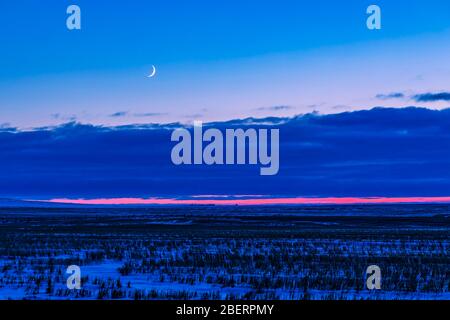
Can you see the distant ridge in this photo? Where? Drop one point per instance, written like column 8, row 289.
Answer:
column 17, row 203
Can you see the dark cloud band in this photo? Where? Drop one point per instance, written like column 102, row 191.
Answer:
column 378, row 152
column 432, row 97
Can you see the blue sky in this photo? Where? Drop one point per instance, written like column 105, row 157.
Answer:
column 215, row 60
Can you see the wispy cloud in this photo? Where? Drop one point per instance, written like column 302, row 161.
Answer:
column 432, row 97
column 59, row 116
column 340, row 107
column 275, row 108
column 149, row 114
column 119, row 114
column 193, row 116
column 392, row 95
column 421, row 97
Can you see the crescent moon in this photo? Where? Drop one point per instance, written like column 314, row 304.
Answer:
column 152, row 74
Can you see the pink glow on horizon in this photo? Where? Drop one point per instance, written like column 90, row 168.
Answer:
column 259, row 201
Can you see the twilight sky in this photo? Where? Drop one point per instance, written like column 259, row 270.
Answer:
column 216, row 60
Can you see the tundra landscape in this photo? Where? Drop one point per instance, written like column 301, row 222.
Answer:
column 226, row 253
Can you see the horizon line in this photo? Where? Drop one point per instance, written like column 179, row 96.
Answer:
column 252, row 201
